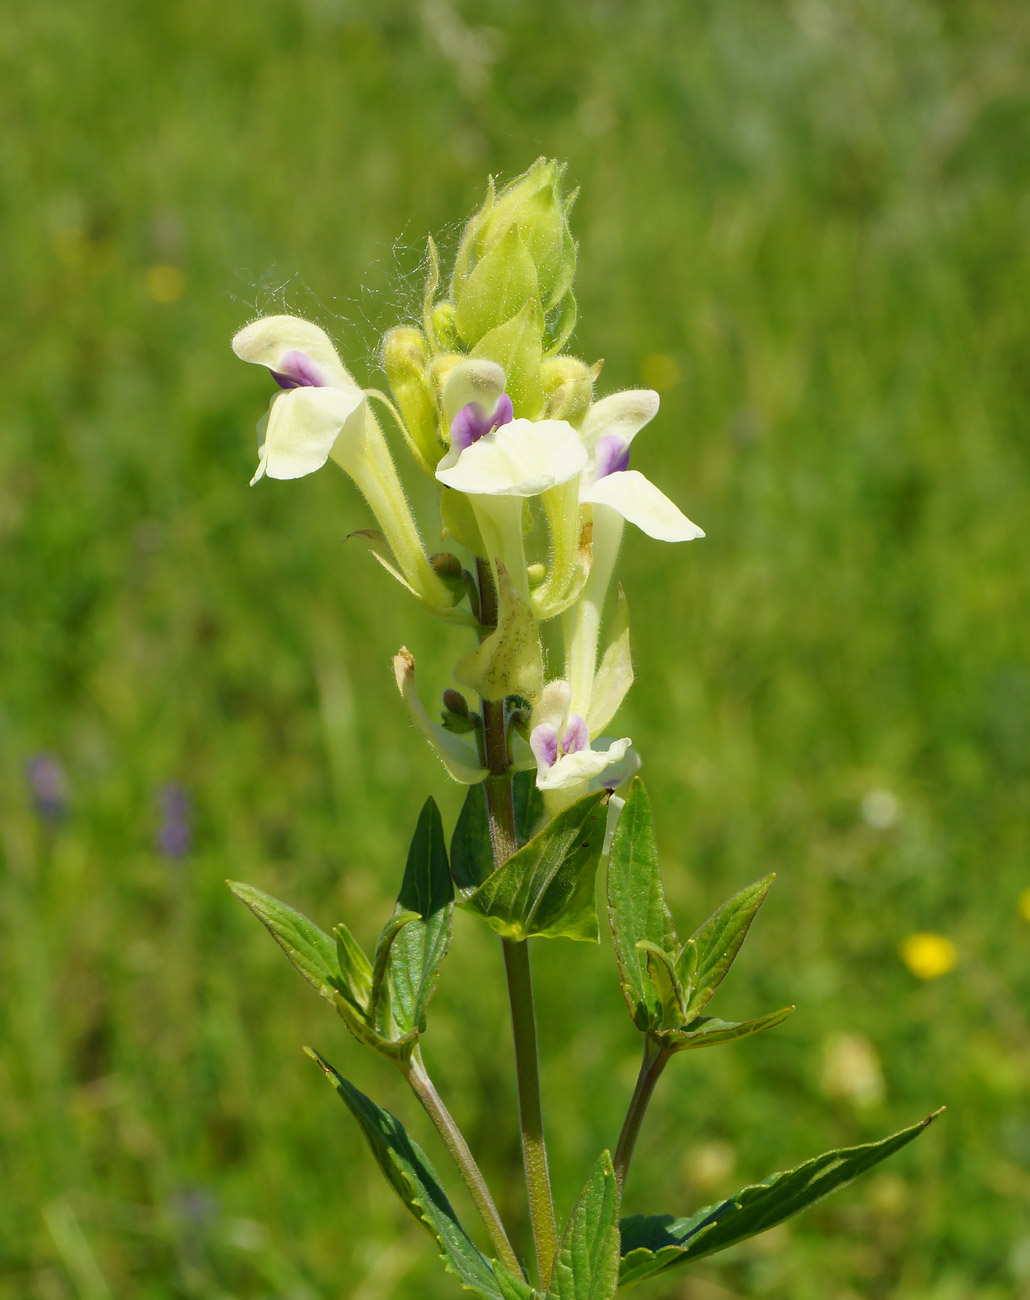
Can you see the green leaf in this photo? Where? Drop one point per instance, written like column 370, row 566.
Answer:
column 661, row 971
column 409, row 1173
column 354, row 968
column 709, row 952
column 637, row 910
column 587, row 1264
column 529, row 805
column 512, row 1287
column 706, row 1031
column 471, row 853
column 654, row 1244
column 427, row 895
column 310, row 950
column 547, row 887
column 472, row 859
column 380, row 1000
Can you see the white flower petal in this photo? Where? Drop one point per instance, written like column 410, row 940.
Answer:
column 303, row 424
column 582, row 766
column 266, row 341
column 522, row 458
column 622, row 414
column 553, row 706
column 639, row 502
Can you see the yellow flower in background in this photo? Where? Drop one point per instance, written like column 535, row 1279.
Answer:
column 928, row 956
column 165, row 283
column 1024, row 904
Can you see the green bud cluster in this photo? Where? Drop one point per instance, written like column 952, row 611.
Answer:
column 510, row 301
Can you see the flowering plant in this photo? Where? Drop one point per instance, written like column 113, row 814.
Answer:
column 534, row 491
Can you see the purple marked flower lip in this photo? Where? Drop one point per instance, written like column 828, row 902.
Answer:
column 48, row 786
column 297, row 370
column 548, row 746
column 472, row 422
column 612, row 455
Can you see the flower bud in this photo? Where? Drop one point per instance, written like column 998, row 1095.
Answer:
column 502, row 280
column 444, row 327
column 405, row 360
column 448, row 568
column 455, row 702
column 534, row 205
column 568, row 389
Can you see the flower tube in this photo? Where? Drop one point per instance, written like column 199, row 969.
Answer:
column 614, row 494
column 321, row 414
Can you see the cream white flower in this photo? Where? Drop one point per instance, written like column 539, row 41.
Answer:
column 322, row 413
column 567, row 762
column 498, row 462
column 614, row 494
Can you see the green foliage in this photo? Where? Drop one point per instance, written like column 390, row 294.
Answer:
column 654, row 1244
column 412, row 1177
column 587, row 1264
column 310, row 951
column 471, row 853
column 547, row 887
column 637, row 909
column 427, row 898
column 665, row 986
column 708, row 954
column 382, row 1001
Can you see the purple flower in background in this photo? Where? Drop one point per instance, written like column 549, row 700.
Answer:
column 48, row 786
column 175, row 833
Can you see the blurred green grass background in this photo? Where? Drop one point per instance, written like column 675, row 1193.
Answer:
column 807, row 224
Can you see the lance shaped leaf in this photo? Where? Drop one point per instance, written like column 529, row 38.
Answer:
column 310, row 950
column 510, row 661
column 637, row 909
column 661, row 971
column 706, row 1031
column 512, row 1287
column 408, row 1171
column 654, row 1244
column 472, row 858
column 547, row 887
column 587, row 1264
column 380, row 1001
column 355, row 969
column 708, row 954
column 427, row 897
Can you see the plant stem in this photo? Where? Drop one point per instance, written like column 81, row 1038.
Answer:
column 415, row 1072
column 504, row 842
column 655, row 1060
column 534, row 1150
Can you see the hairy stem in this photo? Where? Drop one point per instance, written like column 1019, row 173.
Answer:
column 504, row 842
column 655, row 1060
column 415, row 1072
